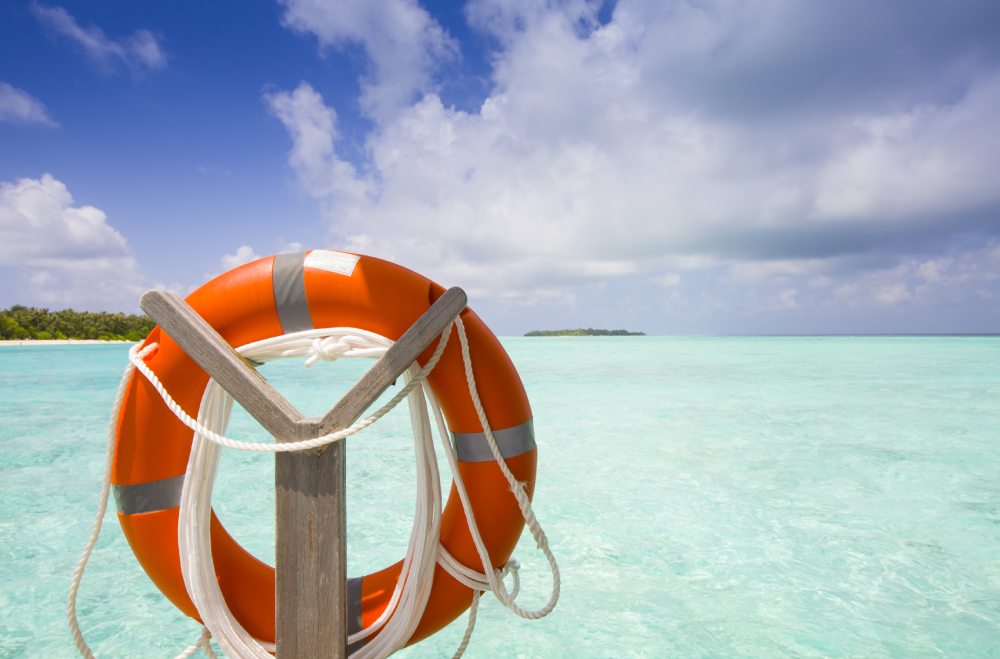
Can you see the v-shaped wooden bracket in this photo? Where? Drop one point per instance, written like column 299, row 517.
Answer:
column 265, row 403
column 310, row 556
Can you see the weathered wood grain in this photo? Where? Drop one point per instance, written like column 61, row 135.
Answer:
column 310, row 551
column 396, row 360
column 213, row 354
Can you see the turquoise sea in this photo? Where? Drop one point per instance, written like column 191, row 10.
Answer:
column 705, row 496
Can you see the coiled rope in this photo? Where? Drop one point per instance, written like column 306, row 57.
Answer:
column 405, row 608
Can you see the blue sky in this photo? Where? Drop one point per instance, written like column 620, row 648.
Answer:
column 670, row 166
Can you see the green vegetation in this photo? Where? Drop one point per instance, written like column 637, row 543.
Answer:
column 584, row 332
column 20, row 322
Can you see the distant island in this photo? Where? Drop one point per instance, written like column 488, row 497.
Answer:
column 21, row 323
column 584, row 332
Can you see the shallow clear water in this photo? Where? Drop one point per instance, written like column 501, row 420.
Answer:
column 705, row 497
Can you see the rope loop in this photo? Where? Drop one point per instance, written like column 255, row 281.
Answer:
column 331, row 348
column 399, row 619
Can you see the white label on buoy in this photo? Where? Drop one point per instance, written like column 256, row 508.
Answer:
column 340, row 262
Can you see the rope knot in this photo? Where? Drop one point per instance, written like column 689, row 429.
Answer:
column 518, row 485
column 512, row 567
column 329, row 349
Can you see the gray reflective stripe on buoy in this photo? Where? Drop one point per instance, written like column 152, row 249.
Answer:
column 354, row 611
column 149, row 497
column 288, row 279
column 472, row 446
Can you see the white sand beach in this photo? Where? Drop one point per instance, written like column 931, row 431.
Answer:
column 56, row 342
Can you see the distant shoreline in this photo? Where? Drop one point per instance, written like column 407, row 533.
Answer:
column 589, row 331
column 58, row 342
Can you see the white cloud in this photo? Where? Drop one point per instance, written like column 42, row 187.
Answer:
column 19, row 107
column 929, row 161
column 776, row 270
column 934, row 270
column 959, row 276
column 243, row 254
column 63, row 254
column 655, row 140
column 403, row 43
column 141, row 52
column 38, row 222
column 176, row 287
column 892, row 294
column 313, row 126
column 668, row 280
column 786, row 299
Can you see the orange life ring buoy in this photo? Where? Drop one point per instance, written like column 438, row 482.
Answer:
column 290, row 292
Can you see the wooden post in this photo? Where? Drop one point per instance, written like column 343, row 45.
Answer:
column 311, row 499
column 310, row 551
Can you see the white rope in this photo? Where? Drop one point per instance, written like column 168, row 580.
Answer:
column 203, row 643
column 287, row 351
column 470, row 626
column 397, row 622
column 95, row 531
column 517, row 488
